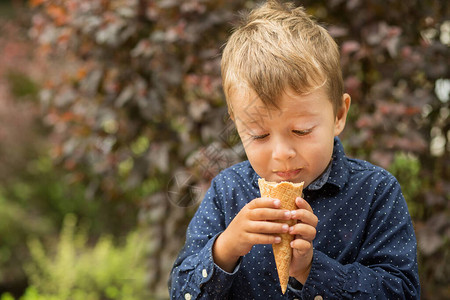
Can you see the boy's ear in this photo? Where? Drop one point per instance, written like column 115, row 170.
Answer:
column 341, row 115
column 230, row 111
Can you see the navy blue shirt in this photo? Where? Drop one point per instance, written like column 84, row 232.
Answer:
column 365, row 247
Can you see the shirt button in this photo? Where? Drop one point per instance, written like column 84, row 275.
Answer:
column 204, row 273
column 187, row 296
column 318, row 297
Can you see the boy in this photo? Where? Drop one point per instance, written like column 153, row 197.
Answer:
column 353, row 238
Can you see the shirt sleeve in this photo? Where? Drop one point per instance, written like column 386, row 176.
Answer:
column 386, row 265
column 194, row 274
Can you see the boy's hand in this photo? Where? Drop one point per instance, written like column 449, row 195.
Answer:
column 305, row 232
column 252, row 225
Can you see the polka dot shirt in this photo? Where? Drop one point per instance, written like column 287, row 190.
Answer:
column 365, row 247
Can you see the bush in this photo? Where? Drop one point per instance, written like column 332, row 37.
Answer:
column 406, row 168
column 21, row 85
column 75, row 270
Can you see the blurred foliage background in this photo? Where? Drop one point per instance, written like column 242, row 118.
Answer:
column 113, row 122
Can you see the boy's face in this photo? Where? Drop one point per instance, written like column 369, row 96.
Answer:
column 292, row 143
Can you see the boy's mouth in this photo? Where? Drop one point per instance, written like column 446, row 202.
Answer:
column 289, row 174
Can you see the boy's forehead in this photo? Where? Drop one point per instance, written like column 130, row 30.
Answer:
column 246, row 103
column 239, row 90
column 249, row 108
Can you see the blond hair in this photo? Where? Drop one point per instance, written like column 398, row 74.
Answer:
column 279, row 46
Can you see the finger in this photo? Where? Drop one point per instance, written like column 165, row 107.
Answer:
column 270, row 214
column 301, row 245
column 264, row 202
column 267, row 227
column 303, row 231
column 259, row 238
column 301, row 203
column 305, row 216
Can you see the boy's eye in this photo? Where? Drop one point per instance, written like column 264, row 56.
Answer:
column 302, row 132
column 260, row 137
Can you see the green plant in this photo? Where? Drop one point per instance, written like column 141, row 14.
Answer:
column 7, row 296
column 75, row 270
column 406, row 168
column 22, row 85
column 16, row 223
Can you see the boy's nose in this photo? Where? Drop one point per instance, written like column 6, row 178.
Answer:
column 282, row 150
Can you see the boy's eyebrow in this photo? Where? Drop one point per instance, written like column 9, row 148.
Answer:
column 304, row 113
column 251, row 123
column 259, row 121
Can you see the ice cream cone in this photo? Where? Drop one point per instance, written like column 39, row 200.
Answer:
column 286, row 192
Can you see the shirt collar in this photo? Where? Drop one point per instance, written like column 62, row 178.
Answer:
column 319, row 182
column 339, row 172
column 335, row 174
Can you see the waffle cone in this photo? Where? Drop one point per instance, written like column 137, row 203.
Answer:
column 286, row 192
